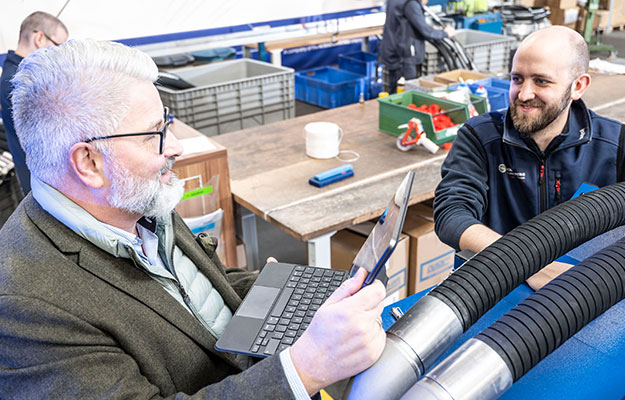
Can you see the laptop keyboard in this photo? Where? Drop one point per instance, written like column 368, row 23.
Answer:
column 305, row 291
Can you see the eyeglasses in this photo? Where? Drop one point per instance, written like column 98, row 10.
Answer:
column 168, row 118
column 48, row 37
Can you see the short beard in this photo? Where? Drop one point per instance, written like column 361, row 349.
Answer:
column 524, row 124
column 143, row 196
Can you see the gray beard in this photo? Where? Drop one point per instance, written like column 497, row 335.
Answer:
column 146, row 197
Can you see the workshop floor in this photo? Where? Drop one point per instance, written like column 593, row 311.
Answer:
column 273, row 242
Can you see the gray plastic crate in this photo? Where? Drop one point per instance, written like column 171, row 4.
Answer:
column 232, row 95
column 489, row 51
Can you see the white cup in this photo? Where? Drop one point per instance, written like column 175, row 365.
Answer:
column 323, row 139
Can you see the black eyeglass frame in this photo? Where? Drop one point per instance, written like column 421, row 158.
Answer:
column 48, row 37
column 169, row 118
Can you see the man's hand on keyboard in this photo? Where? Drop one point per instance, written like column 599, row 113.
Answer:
column 345, row 336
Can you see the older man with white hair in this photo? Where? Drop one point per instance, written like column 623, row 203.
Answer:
column 105, row 292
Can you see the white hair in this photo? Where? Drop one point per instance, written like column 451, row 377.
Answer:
column 66, row 94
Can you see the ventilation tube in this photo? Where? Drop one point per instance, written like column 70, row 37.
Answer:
column 487, row 365
column 435, row 322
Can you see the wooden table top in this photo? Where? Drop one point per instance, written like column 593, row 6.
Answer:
column 269, row 172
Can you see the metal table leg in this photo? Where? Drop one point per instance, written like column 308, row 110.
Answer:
column 319, row 254
column 246, row 224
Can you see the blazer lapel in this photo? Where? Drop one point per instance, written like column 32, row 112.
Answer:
column 125, row 276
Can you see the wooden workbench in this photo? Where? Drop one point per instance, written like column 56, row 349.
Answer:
column 269, row 173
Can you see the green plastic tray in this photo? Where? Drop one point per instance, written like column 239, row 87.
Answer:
column 394, row 112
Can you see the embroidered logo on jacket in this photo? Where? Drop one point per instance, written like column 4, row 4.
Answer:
column 512, row 174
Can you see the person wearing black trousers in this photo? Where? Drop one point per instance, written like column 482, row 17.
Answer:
column 403, row 44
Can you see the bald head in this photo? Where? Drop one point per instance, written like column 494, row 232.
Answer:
column 563, row 44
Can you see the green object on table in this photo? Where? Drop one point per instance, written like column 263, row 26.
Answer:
column 394, row 112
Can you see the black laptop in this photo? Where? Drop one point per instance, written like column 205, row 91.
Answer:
column 281, row 303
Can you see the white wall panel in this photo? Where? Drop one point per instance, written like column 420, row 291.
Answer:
column 123, row 19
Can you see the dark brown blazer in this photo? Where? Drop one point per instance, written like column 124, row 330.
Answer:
column 78, row 323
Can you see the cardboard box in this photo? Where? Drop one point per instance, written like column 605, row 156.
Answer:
column 618, row 11
column 565, row 17
column 241, row 256
column 562, row 4
column 455, row 75
column 600, row 20
column 430, row 260
column 424, row 85
column 532, row 3
column 345, row 245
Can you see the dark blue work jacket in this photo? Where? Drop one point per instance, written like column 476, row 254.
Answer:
column 9, row 68
column 496, row 176
column 404, row 36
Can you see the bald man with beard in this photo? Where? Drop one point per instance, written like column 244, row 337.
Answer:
column 507, row 167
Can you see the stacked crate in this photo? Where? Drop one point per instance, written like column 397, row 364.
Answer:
column 232, row 95
column 489, row 51
column 328, row 87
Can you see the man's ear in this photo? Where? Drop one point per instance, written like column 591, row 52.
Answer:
column 38, row 40
column 579, row 86
column 88, row 165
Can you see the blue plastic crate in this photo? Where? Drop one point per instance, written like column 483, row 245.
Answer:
column 330, row 87
column 374, row 89
column 487, row 22
column 360, row 62
column 495, row 83
column 497, row 96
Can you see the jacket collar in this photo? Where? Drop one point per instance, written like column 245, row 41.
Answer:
column 13, row 58
column 577, row 131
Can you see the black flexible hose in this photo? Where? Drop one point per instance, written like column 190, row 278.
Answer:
column 453, row 51
column 462, row 53
column 493, row 273
column 450, row 63
column 546, row 319
column 450, row 43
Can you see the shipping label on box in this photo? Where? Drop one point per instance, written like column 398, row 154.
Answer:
column 397, row 281
column 430, row 268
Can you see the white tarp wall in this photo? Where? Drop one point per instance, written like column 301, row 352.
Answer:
column 124, row 19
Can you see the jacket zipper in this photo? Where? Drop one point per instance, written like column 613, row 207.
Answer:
column 558, row 188
column 542, row 186
column 181, row 290
column 184, row 294
column 541, row 176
